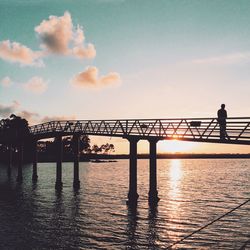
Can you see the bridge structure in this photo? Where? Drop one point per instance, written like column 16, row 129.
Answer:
column 133, row 130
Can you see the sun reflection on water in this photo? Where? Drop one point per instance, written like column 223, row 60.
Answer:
column 175, row 178
column 175, row 174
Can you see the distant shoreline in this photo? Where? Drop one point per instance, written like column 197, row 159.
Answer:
column 146, row 156
column 93, row 157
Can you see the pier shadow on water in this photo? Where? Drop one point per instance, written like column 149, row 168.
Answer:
column 132, row 217
column 134, row 240
column 34, row 217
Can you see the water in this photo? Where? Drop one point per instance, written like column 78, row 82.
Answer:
column 192, row 192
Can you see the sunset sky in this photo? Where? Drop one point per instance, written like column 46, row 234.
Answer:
column 106, row 59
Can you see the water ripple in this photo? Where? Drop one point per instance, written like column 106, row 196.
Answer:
column 192, row 192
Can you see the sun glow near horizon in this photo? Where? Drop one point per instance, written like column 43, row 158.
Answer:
column 176, row 146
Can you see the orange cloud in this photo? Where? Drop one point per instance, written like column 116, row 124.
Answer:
column 89, row 79
column 58, row 35
column 84, row 52
column 36, row 85
column 16, row 52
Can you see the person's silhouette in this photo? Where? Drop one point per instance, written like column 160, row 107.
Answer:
column 222, row 116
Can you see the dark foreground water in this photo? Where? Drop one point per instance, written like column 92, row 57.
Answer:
column 192, row 192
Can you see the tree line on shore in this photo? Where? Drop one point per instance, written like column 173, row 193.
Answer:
column 15, row 129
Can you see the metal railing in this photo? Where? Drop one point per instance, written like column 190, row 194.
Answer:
column 188, row 129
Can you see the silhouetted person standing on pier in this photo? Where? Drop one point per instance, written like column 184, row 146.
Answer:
column 222, row 116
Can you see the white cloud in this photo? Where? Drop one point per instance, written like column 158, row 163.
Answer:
column 110, row 1
column 32, row 117
column 58, row 35
column 6, row 82
column 90, row 79
column 36, row 85
column 56, row 118
column 234, row 58
column 6, row 110
column 16, row 52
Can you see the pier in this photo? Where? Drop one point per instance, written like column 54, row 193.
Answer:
column 152, row 130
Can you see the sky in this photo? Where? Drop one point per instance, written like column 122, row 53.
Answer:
column 111, row 59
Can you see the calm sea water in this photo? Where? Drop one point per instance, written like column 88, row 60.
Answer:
column 192, row 192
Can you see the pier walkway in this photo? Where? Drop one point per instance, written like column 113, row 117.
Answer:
column 152, row 130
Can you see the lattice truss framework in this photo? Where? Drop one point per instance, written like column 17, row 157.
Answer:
column 190, row 129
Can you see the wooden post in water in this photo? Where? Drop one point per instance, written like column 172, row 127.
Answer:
column 153, row 193
column 76, row 182
column 20, row 163
column 58, row 162
column 34, row 174
column 132, row 194
column 9, row 160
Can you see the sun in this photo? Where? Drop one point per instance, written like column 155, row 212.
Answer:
column 175, row 146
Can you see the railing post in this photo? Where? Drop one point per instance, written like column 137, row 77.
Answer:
column 132, row 194
column 34, row 149
column 9, row 160
column 76, row 183
column 20, row 163
column 153, row 193
column 59, row 162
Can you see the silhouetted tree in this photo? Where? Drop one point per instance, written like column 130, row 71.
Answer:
column 14, row 129
column 42, row 146
column 49, row 147
column 85, row 144
column 95, row 149
column 67, row 145
column 103, row 149
column 107, row 148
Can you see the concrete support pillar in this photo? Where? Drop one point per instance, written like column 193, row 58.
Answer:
column 59, row 152
column 132, row 194
column 9, row 160
column 76, row 183
column 153, row 193
column 20, row 163
column 34, row 174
